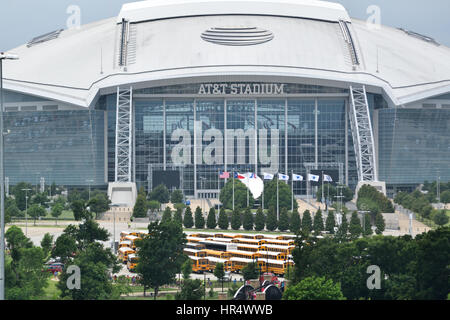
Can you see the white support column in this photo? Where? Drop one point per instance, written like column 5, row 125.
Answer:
column 363, row 139
column 124, row 135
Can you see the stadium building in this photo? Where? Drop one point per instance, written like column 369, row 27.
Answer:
column 179, row 90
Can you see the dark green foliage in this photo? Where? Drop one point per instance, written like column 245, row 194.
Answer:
column 355, row 228
column 94, row 263
column 178, row 216
column 80, row 212
column 271, row 220
column 247, row 220
column 160, row 194
column 330, row 192
column 223, row 220
column 440, row 218
column 140, row 207
column 211, row 219
column 160, row 255
column 295, row 223
column 314, row 288
column 330, row 222
column 191, row 290
column 306, row 222
column 284, row 195
column 167, row 215
column 47, row 244
column 188, row 220
column 260, row 220
column 381, row 201
column 250, row 271
column 199, row 220
column 367, row 226
column 36, row 211
column 379, row 223
column 19, row 194
column 341, row 234
column 57, row 210
column 236, row 219
column 283, row 224
column 240, row 195
column 186, row 268
column 99, row 203
column 40, row 199
column 318, row 222
column 176, row 196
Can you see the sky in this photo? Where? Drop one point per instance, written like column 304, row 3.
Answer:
column 22, row 20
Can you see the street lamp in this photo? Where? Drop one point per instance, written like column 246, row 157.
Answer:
column 113, row 243
column 89, row 181
column 26, row 210
column 3, row 56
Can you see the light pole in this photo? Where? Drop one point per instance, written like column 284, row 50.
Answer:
column 113, row 242
column 89, row 192
column 26, row 210
column 3, row 56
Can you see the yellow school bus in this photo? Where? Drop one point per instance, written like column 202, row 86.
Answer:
column 212, row 261
column 194, row 252
column 132, row 261
column 239, row 263
column 123, row 254
column 249, row 236
column 272, row 255
column 123, row 234
column 280, row 242
column 258, row 242
column 125, row 243
column 278, row 267
column 277, row 248
column 244, row 254
column 199, row 264
column 223, row 236
column 133, row 240
column 247, row 247
column 216, row 254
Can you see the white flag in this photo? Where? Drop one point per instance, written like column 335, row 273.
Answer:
column 267, row 176
column 313, row 177
column 327, row 178
column 297, row 177
column 283, row 177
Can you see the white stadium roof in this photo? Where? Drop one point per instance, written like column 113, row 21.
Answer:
column 166, row 46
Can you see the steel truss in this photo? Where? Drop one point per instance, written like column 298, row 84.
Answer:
column 362, row 135
column 124, row 135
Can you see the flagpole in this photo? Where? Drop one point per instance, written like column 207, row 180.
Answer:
column 322, row 186
column 292, row 187
column 233, row 189
column 278, row 206
column 248, row 182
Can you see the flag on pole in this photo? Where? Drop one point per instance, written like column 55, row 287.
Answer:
column 327, row 178
column 297, row 177
column 267, row 176
column 239, row 176
column 283, row 177
column 313, row 177
column 224, row 175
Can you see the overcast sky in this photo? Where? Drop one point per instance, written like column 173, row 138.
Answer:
column 22, row 20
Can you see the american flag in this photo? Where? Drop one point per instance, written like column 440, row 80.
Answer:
column 224, row 175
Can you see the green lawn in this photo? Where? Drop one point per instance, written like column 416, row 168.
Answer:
column 51, row 292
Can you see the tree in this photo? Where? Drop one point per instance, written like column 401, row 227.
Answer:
column 440, row 218
column 19, row 194
column 154, row 206
column 65, row 247
column 367, row 226
column 379, row 223
column 186, row 268
column 80, row 211
column 160, row 255
column 318, row 222
column 314, row 288
column 188, row 220
column 306, row 222
column 160, row 194
column 223, row 221
column 190, row 290
column 250, row 271
column 247, row 220
column 95, row 263
column 47, row 244
column 41, row 199
column 343, row 228
column 236, row 219
column 219, row 272
column 140, row 207
column 36, row 211
column 176, row 196
column 295, row 223
column 11, row 210
column 271, row 221
column 330, row 222
column 260, row 220
column 284, row 195
column 167, row 215
column 98, row 203
column 57, row 210
column 355, row 226
column 178, row 216
column 211, row 219
column 199, row 220
column 283, row 224
column 240, row 195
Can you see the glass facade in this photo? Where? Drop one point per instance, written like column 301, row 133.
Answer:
column 64, row 147
column 413, row 145
column 205, row 136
